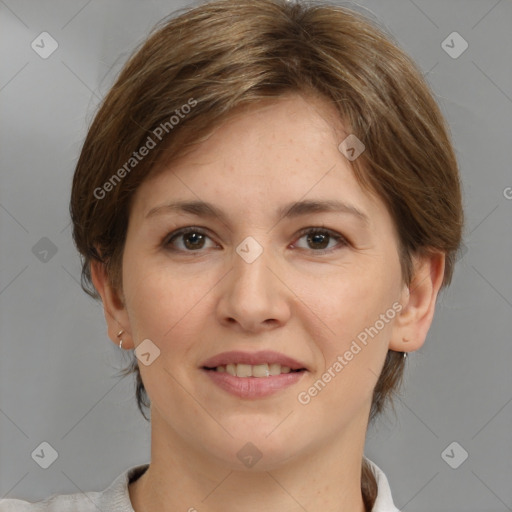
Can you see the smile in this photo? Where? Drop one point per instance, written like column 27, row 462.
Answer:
column 250, row 386
column 257, row 370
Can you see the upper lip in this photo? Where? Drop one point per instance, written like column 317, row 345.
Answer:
column 252, row 358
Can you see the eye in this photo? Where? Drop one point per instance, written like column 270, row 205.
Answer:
column 193, row 238
column 319, row 238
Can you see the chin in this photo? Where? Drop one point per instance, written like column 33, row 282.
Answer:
column 256, row 450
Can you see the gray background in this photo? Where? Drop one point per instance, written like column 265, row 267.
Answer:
column 57, row 366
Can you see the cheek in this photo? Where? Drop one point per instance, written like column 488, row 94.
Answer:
column 352, row 300
column 162, row 302
column 359, row 315
column 357, row 307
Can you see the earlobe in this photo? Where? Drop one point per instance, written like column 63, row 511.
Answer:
column 113, row 307
column 418, row 301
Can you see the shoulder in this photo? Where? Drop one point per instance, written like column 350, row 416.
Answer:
column 55, row 503
column 114, row 498
column 384, row 501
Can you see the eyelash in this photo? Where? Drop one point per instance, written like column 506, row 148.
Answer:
column 168, row 240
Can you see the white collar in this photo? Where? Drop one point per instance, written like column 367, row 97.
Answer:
column 384, row 501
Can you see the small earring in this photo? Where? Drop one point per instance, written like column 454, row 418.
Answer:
column 118, row 335
column 405, row 340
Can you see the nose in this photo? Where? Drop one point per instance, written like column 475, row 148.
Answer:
column 253, row 295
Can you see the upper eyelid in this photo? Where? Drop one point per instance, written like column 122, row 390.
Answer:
column 302, row 232
column 206, row 231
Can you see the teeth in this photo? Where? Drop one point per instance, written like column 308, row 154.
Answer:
column 258, row 370
column 243, row 370
column 275, row 369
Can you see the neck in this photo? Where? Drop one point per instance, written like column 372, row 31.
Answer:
column 182, row 477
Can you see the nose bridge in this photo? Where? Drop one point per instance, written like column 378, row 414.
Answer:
column 253, row 293
column 250, row 264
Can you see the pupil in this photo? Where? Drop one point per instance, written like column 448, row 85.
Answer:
column 197, row 237
column 315, row 238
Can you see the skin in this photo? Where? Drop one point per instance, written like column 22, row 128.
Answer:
column 292, row 299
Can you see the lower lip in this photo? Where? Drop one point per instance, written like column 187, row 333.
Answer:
column 254, row 387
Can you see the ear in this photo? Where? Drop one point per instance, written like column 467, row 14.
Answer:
column 113, row 306
column 418, row 303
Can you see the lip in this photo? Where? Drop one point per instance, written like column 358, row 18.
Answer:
column 253, row 387
column 253, row 358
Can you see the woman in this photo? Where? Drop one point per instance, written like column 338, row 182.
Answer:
column 267, row 204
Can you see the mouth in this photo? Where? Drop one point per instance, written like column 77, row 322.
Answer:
column 264, row 363
column 253, row 375
column 264, row 370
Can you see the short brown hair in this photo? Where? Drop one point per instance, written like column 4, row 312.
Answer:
column 229, row 53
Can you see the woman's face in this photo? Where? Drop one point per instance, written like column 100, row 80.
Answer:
column 257, row 280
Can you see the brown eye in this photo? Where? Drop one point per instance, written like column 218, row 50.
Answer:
column 318, row 239
column 192, row 239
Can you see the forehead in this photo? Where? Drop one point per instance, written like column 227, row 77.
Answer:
column 273, row 153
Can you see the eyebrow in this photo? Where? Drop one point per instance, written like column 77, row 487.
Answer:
column 291, row 210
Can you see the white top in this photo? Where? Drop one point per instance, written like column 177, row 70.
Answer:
column 116, row 497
